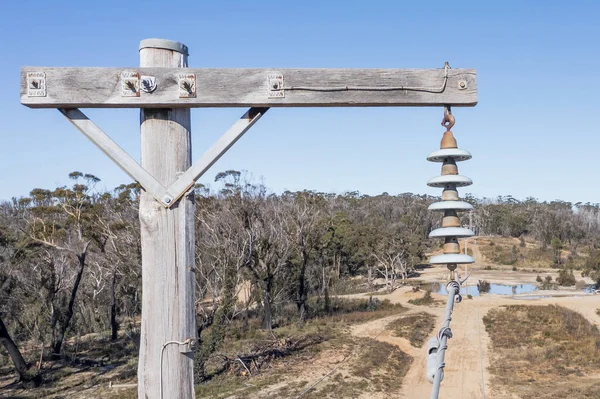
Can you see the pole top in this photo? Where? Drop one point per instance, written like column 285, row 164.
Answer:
column 164, row 44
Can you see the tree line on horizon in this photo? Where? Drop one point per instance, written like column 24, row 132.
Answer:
column 70, row 257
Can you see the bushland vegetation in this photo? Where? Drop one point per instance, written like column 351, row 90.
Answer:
column 543, row 351
column 70, row 256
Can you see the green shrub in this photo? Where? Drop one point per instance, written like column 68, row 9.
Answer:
column 547, row 284
column 566, row 278
column 415, row 327
column 425, row 300
column 349, row 286
column 483, row 286
column 543, row 351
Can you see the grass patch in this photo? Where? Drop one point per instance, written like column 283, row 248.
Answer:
column 282, row 356
column 344, row 312
column 415, row 327
column 336, row 307
column 425, row 300
column 375, row 367
column 378, row 367
column 543, row 351
column 512, row 252
column 381, row 364
column 88, row 363
column 376, row 293
column 237, row 387
column 349, row 286
column 275, row 372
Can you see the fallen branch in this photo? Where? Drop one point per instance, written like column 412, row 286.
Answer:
column 264, row 352
column 244, row 364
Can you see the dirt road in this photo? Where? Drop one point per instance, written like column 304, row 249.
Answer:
column 467, row 357
column 463, row 373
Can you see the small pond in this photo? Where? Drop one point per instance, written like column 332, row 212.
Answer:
column 498, row 289
column 591, row 289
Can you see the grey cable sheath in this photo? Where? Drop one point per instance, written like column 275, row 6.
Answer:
column 443, row 335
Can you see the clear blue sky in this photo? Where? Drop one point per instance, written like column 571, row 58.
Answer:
column 535, row 132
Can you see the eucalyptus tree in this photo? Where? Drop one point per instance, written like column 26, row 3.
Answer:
column 222, row 250
column 118, row 266
column 59, row 234
column 304, row 210
column 262, row 221
column 270, row 246
column 12, row 298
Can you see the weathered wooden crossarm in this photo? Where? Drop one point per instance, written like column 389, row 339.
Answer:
column 44, row 87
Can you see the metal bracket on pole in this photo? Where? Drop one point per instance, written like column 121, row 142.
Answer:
column 116, row 153
column 167, row 197
column 186, row 181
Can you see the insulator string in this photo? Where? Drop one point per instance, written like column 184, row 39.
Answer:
column 449, row 154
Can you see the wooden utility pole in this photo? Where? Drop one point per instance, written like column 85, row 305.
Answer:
column 168, row 316
column 165, row 89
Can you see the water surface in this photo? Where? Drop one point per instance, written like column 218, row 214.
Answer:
column 497, row 289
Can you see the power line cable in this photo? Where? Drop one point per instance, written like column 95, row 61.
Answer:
column 438, row 90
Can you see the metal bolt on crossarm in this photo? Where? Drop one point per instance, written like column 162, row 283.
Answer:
column 448, row 154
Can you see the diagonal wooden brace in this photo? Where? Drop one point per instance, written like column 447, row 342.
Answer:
column 116, row 153
column 187, row 180
column 167, row 197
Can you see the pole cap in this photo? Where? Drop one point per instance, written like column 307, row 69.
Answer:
column 164, row 44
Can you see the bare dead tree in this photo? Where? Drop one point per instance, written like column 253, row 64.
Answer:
column 304, row 210
column 270, row 248
column 392, row 261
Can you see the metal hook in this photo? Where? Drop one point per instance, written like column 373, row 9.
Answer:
column 448, row 120
column 131, row 86
column 185, row 85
